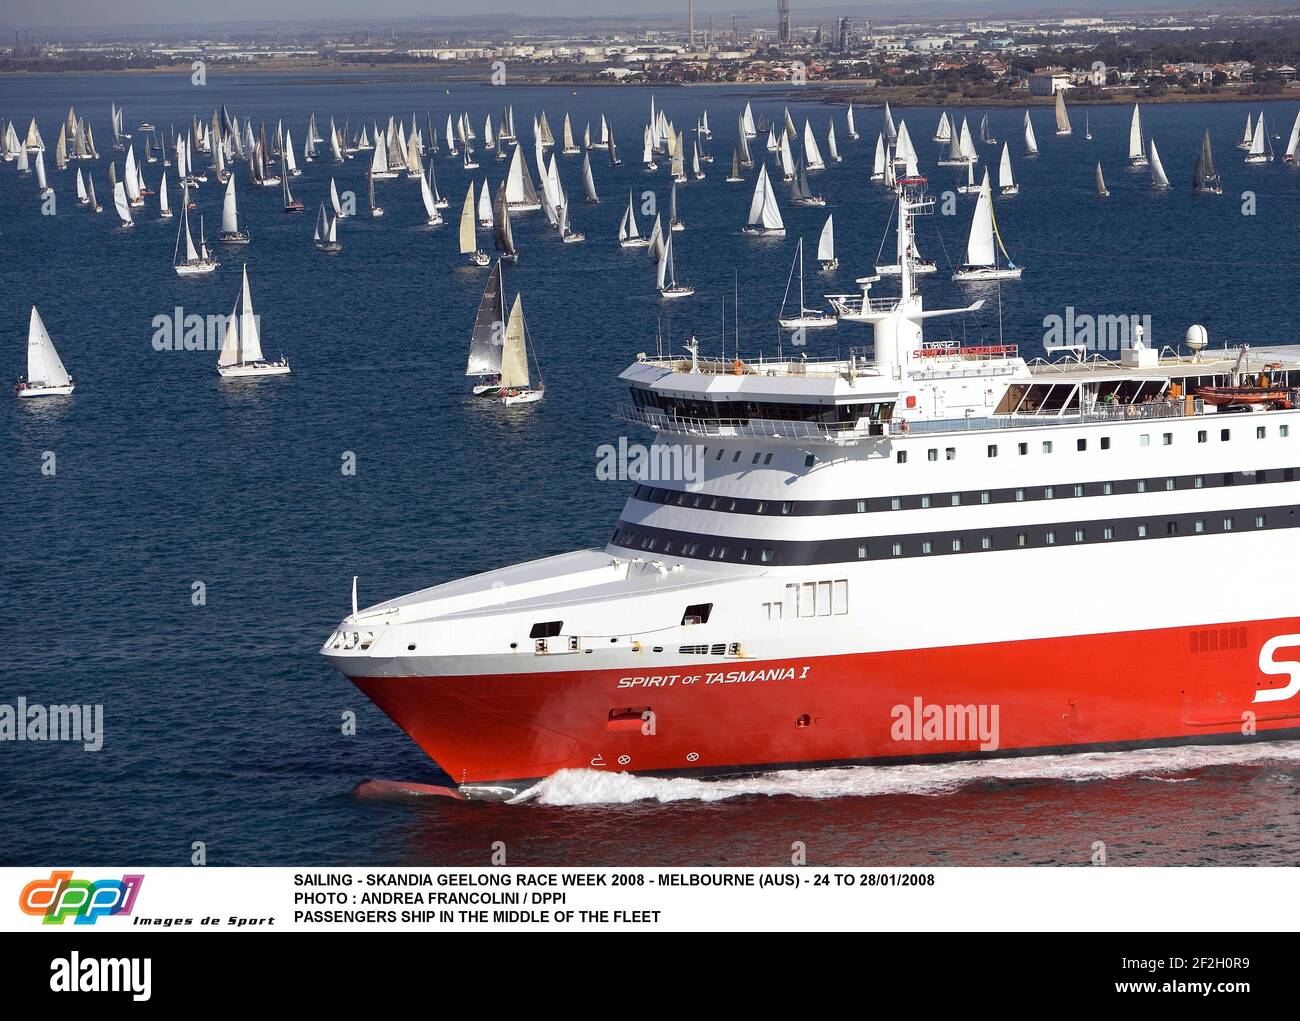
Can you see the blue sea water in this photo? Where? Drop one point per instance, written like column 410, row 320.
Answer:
column 223, row 725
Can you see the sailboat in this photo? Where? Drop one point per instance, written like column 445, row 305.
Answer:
column 812, row 157
column 520, row 193
column 1136, row 155
column 668, row 285
column 943, row 130
column 164, row 208
column 826, row 246
column 985, row 137
column 735, row 177
column 1261, row 147
column 485, row 218
column 588, row 182
column 1292, row 152
column 567, row 234
column 327, row 233
column 853, row 131
column 432, row 217
column 1158, row 178
column 1205, row 181
column 516, row 386
column 674, row 221
column 764, row 214
column 628, row 234
column 1102, row 190
column 1062, row 118
column 121, row 205
column 878, row 164
column 832, row 147
column 197, row 261
column 241, row 348
column 806, row 318
column 614, row 160
column 376, row 210
column 91, row 202
column 1249, row 135
column 291, row 204
column 570, row 147
column 469, row 230
column 1087, row 128
column 905, row 246
column 46, row 376
column 984, row 243
column 502, row 235
column 1006, row 180
column 1031, row 142
column 230, row 232
column 800, row 192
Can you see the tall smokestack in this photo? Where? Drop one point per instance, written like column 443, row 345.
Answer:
column 690, row 23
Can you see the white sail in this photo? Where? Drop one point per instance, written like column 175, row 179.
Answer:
column 979, row 247
column 514, row 353
column 812, row 155
column 426, row 196
column 1031, row 143
column 1294, row 140
column 763, row 209
column 43, row 363
column 831, row 147
column 229, row 214
column 967, row 144
column 588, row 182
column 81, row 186
column 191, row 253
column 1005, row 178
column 1158, row 178
column 163, row 206
column 903, row 147
column 468, row 228
column 334, row 199
column 878, row 165
column 1246, row 138
column 1258, row 139
column 1135, row 135
column 787, row 157
column 628, row 228
column 485, row 206
column 1062, row 118
column 290, row 165
column 748, row 118
column 121, row 205
column 944, row 129
column 853, row 131
column 131, row 178
column 250, row 343
column 826, row 243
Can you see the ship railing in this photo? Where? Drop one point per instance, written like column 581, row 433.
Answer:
column 1030, row 420
column 827, row 366
column 751, row 428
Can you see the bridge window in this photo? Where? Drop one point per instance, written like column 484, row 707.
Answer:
column 697, row 613
column 546, row 629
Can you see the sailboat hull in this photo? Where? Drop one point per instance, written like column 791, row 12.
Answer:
column 245, row 371
column 987, row 273
column 46, row 391
column 764, row 232
column 194, row 269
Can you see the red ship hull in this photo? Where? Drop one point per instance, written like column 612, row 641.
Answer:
column 1068, row 694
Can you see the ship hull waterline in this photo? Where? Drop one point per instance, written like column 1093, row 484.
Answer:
column 496, row 735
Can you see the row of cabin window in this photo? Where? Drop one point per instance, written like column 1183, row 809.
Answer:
column 716, row 551
column 703, row 501
column 1081, row 444
column 765, row 458
column 811, row 599
column 1051, row 537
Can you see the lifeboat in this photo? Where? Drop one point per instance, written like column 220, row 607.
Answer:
column 1265, row 396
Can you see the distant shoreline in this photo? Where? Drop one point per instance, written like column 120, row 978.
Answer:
column 840, row 91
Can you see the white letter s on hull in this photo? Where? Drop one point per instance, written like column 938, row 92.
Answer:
column 1269, row 666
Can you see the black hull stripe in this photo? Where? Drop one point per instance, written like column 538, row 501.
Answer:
column 965, row 497
column 643, row 540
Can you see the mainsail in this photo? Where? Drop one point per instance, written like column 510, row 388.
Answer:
column 485, row 340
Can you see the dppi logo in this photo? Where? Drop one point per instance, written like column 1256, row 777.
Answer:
column 61, row 896
column 1269, row 665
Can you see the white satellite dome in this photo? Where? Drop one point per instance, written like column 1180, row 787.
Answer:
column 1197, row 339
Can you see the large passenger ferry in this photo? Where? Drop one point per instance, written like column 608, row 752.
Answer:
column 937, row 552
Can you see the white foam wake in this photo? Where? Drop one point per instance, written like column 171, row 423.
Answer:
column 595, row 787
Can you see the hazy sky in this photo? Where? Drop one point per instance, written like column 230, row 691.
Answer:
column 76, row 15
